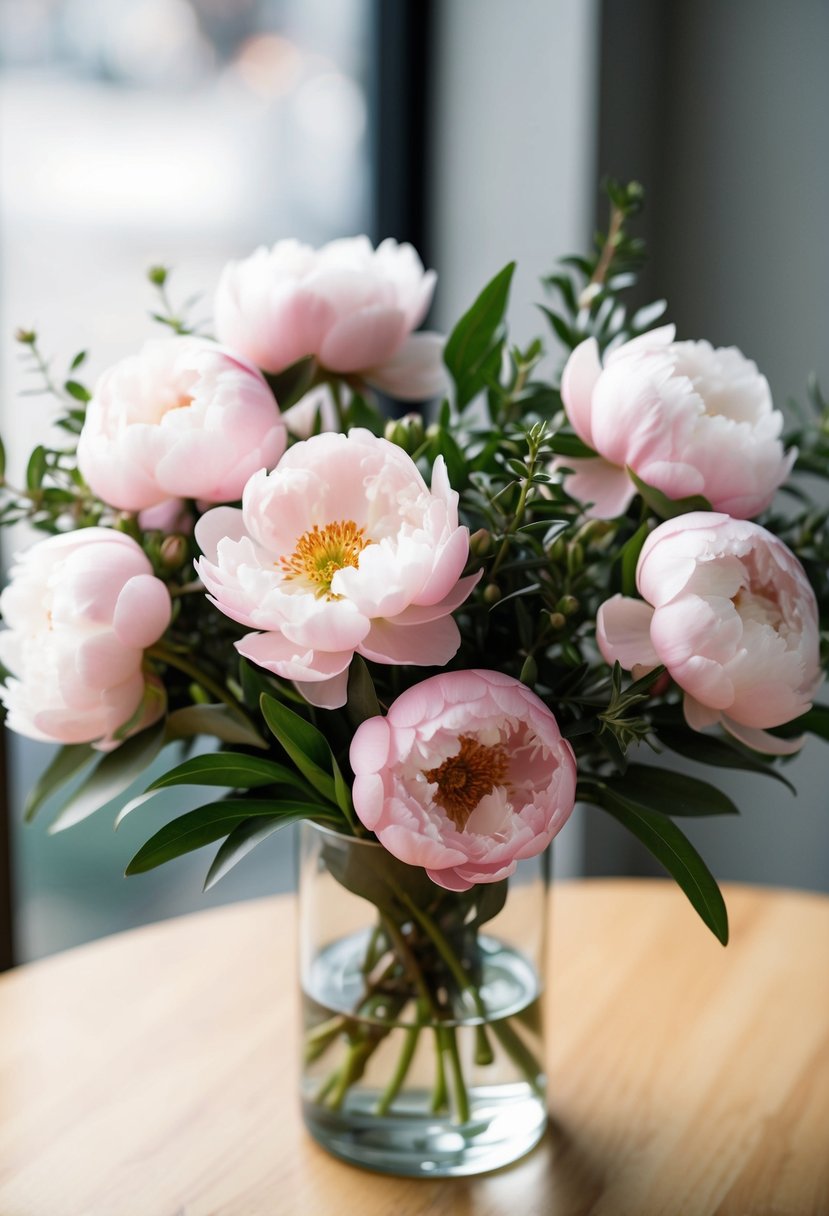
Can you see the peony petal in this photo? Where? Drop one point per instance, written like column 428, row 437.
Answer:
column 283, row 658
column 370, row 746
column 431, row 644
column 143, row 612
column 416, row 372
column 595, row 480
column 325, row 694
column 697, row 715
column 760, row 740
column 623, row 632
column 365, row 338
column 581, row 372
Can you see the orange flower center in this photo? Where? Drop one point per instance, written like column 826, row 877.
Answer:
column 321, row 552
column 464, row 779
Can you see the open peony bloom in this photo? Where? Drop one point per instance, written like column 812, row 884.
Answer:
column 353, row 308
column 80, row 610
column 341, row 548
column 181, row 419
column 467, row 775
column 686, row 418
column 731, row 615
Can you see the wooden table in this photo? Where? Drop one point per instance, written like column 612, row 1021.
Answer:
column 152, row 1073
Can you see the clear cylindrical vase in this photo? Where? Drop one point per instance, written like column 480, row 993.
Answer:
column 423, row 1050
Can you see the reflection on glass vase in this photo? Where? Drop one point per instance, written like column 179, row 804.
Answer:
column 423, row 1047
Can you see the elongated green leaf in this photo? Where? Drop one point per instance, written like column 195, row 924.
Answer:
column 815, row 721
column 215, row 720
column 209, row 823
column 342, row 793
column 629, row 559
column 570, row 445
column 469, row 350
column 456, row 467
column 718, row 753
column 306, row 746
column 68, row 761
column 231, row 769
column 674, row 851
column 292, row 383
column 78, row 391
column 664, row 507
column 255, row 681
column 36, row 468
column 670, row 793
column 243, row 840
column 115, row 773
column 362, row 700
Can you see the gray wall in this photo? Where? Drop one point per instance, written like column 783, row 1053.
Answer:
column 514, row 120
column 722, row 110
column 735, row 156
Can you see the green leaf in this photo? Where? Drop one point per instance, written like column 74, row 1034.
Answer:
column 456, row 466
column 674, row 851
column 563, row 444
column 36, row 468
column 2, row 461
column 307, row 747
column 115, row 773
column 209, row 823
column 243, row 840
column 362, row 702
column 367, row 869
column 718, row 753
column 293, row 383
column 216, row 720
column 664, row 507
column 68, row 761
column 815, row 721
column 629, row 558
column 342, row 793
column 76, row 390
column 233, row 770
column 563, row 332
column 78, row 360
column 468, row 353
column 645, row 317
column 670, row 793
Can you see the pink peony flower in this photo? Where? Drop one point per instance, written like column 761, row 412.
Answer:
column 80, row 609
column 351, row 307
column 181, row 419
column 467, row 775
column 730, row 613
column 686, row 418
column 341, row 548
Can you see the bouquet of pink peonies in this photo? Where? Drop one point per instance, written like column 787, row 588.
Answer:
column 425, row 636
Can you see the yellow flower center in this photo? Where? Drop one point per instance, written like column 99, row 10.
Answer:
column 464, row 779
column 321, row 552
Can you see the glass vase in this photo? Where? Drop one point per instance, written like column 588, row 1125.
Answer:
column 423, row 1049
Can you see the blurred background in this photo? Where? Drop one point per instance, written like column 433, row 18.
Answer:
column 187, row 132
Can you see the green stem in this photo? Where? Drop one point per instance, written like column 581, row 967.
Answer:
column 519, row 1053
column 403, row 1064
column 445, row 951
column 450, row 1046
column 410, row 963
column 440, row 1093
column 164, row 655
column 483, row 1048
column 518, row 515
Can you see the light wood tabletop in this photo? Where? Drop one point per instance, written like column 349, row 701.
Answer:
column 153, row 1073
